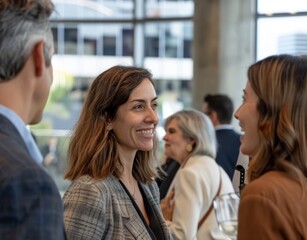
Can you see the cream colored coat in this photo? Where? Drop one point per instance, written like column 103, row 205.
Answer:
column 196, row 184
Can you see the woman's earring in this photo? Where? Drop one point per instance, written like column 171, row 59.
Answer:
column 108, row 128
column 189, row 148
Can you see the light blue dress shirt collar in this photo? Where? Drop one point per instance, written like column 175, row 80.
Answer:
column 24, row 132
column 224, row 126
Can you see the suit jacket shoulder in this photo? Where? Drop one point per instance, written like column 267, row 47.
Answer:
column 228, row 149
column 29, row 198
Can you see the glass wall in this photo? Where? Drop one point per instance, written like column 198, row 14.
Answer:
column 93, row 35
column 281, row 27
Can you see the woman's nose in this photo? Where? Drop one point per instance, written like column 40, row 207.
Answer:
column 236, row 114
column 152, row 115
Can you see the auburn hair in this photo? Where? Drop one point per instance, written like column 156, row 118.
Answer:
column 93, row 149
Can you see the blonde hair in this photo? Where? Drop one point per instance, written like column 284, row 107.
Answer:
column 197, row 126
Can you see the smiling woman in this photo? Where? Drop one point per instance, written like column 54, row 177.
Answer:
column 273, row 117
column 136, row 120
column 111, row 161
column 250, row 116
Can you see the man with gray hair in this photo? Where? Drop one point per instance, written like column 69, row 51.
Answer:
column 30, row 203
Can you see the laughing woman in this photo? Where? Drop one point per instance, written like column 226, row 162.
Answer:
column 273, row 117
column 113, row 194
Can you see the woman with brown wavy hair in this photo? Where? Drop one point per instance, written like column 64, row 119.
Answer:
column 273, row 117
column 111, row 161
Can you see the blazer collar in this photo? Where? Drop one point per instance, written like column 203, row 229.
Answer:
column 133, row 222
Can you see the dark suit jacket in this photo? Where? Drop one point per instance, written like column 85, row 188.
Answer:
column 30, row 203
column 228, row 149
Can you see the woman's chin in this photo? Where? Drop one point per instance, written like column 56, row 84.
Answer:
column 244, row 149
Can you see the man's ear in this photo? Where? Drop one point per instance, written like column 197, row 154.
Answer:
column 214, row 117
column 39, row 58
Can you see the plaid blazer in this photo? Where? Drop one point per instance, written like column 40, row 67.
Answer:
column 30, row 203
column 101, row 209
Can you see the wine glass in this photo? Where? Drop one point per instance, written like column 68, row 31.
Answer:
column 226, row 211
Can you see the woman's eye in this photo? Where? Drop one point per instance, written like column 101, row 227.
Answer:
column 138, row 106
column 154, row 105
column 243, row 98
column 171, row 131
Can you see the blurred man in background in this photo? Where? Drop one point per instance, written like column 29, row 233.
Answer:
column 219, row 108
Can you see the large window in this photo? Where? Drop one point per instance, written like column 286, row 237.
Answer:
column 281, row 27
column 93, row 35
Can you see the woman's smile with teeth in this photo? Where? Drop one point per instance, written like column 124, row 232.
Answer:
column 148, row 132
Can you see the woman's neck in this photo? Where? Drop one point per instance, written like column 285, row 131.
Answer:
column 127, row 159
column 185, row 160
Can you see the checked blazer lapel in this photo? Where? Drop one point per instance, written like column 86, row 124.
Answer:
column 133, row 221
column 154, row 201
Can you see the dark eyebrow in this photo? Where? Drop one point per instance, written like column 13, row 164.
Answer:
column 142, row 100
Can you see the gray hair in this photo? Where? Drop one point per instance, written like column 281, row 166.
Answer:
column 23, row 23
column 197, row 126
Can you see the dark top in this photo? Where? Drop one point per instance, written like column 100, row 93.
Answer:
column 228, row 150
column 154, row 228
column 170, row 168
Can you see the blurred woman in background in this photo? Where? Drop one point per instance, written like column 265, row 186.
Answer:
column 190, row 140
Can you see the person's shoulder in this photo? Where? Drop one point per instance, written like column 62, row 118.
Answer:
column 232, row 132
column 200, row 166
column 100, row 183
column 226, row 134
column 14, row 167
column 28, row 182
column 200, row 161
column 22, row 176
column 271, row 183
column 88, row 190
column 14, row 155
